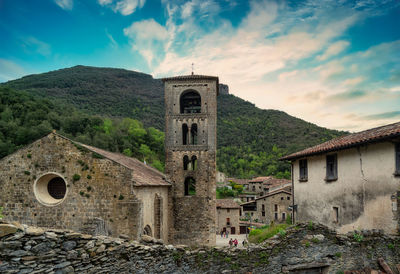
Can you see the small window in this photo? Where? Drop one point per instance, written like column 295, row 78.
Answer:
column 276, row 207
column 335, row 214
column 282, row 198
column 185, row 134
column 331, row 167
column 228, row 210
column 193, row 134
column 303, row 170
column 190, row 186
column 397, row 172
column 283, row 216
column 228, row 221
column 194, row 163
column 288, row 198
column 185, row 162
column 276, row 216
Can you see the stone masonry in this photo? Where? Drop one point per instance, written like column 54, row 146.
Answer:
column 192, row 214
column 303, row 249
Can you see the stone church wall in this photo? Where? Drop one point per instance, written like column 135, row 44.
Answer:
column 98, row 196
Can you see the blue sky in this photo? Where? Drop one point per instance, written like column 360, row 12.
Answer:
column 335, row 63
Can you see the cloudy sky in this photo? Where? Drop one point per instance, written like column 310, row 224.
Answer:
column 335, row 63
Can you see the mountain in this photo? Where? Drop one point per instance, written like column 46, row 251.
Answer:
column 250, row 140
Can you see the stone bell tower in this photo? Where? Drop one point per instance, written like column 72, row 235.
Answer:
column 190, row 146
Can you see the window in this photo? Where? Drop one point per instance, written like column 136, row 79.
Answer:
column 276, row 216
column 194, row 162
column 282, row 198
column 276, row 207
column 331, row 167
column 185, row 162
column 335, row 214
column 190, row 186
column 288, row 198
column 190, row 102
column 185, row 134
column 193, row 133
column 397, row 149
column 228, row 221
column 263, row 210
column 283, row 216
column 303, row 170
column 227, row 210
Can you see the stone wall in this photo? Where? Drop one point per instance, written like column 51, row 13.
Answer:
column 279, row 199
column 100, row 197
column 303, row 249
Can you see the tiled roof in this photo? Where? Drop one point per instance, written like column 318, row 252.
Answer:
column 276, row 182
column 352, row 140
column 190, row 77
column 274, row 193
column 227, row 203
column 260, row 179
column 142, row 174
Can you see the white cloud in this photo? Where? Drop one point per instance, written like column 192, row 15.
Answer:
column 353, row 81
column 9, row 70
column 125, row 7
column 333, row 50
column 65, row 4
column 31, row 43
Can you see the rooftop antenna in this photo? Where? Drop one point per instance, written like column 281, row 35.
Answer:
column 192, row 68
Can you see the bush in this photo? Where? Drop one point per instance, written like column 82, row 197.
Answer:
column 259, row 235
column 1, row 213
column 358, row 237
column 76, row 177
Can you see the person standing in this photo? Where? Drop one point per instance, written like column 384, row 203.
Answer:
column 235, row 242
column 230, row 242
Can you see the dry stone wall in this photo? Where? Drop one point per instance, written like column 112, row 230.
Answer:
column 303, row 249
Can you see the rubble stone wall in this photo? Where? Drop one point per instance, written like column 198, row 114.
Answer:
column 304, row 249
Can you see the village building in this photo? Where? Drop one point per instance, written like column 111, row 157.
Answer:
column 262, row 185
column 351, row 182
column 220, row 177
column 58, row 183
column 272, row 207
column 228, row 212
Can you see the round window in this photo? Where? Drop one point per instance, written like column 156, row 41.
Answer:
column 50, row 189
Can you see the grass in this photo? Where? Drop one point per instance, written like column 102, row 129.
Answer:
column 261, row 234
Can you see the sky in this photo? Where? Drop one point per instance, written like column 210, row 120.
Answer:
column 334, row 63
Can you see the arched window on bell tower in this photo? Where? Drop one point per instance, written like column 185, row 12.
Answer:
column 194, row 162
column 185, row 162
column 190, row 186
column 193, row 133
column 190, row 102
column 185, row 134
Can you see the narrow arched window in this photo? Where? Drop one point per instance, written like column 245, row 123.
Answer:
column 190, row 186
column 193, row 133
column 194, row 162
column 190, row 102
column 185, row 162
column 185, row 133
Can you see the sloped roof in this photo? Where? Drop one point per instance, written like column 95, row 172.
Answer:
column 238, row 181
column 142, row 174
column 260, row 179
column 267, row 195
column 352, row 140
column 276, row 182
column 227, row 203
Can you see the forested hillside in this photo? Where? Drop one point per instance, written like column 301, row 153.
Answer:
column 25, row 119
column 250, row 140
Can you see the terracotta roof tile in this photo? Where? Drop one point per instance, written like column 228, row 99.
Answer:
column 352, row 140
column 227, row 203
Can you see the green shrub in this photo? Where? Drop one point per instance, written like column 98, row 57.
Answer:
column 89, row 188
column 1, row 213
column 358, row 237
column 89, row 177
column 289, row 219
column 391, row 246
column 97, row 156
column 27, row 172
column 121, row 197
column 76, row 177
column 29, row 155
column 310, row 225
column 338, row 254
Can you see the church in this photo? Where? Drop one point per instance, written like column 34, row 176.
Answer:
column 59, row 183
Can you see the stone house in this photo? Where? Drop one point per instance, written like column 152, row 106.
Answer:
column 351, row 182
column 228, row 216
column 263, row 185
column 272, row 207
column 58, row 183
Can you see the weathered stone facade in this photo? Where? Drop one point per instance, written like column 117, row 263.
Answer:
column 228, row 213
column 303, row 249
column 190, row 133
column 101, row 195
